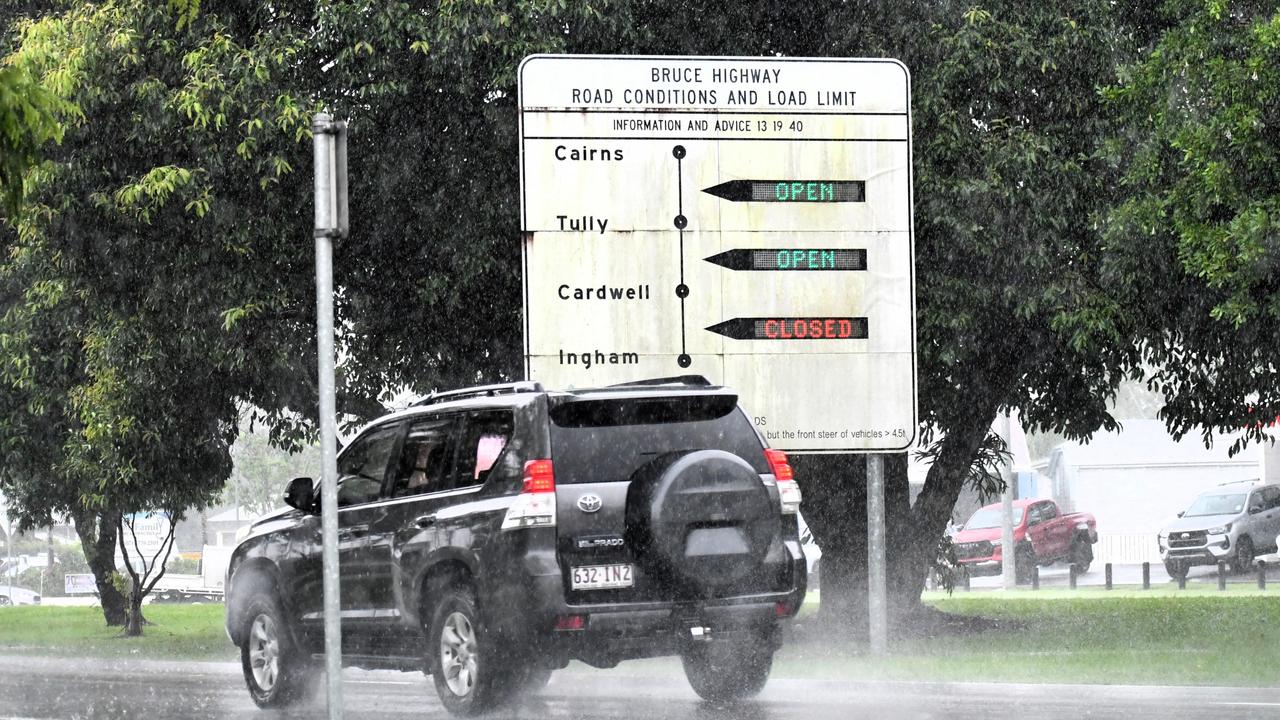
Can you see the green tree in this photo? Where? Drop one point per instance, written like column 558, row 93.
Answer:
column 1011, row 294
column 1194, row 240
column 28, row 119
column 122, row 398
column 158, row 281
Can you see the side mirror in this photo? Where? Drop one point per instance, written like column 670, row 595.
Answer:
column 301, row 494
column 1255, row 509
column 1180, row 512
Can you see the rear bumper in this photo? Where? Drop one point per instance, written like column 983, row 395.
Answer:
column 607, row 633
column 611, row 637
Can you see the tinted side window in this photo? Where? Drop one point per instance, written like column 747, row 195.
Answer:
column 1033, row 515
column 487, row 435
column 1257, row 499
column 426, row 463
column 363, row 465
column 1048, row 512
column 1271, row 497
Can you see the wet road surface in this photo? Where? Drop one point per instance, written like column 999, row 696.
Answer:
column 32, row 687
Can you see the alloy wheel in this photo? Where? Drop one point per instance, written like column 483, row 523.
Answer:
column 458, row 654
column 264, row 652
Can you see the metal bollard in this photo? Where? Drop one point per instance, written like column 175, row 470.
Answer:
column 964, row 576
column 1073, row 577
column 1262, row 574
column 1035, row 577
column 1146, row 576
column 1222, row 576
column 1107, row 567
column 1182, row 581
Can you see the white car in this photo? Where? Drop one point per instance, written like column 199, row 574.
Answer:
column 17, row 595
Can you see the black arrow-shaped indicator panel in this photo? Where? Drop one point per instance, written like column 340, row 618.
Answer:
column 791, row 191
column 793, row 328
column 803, row 259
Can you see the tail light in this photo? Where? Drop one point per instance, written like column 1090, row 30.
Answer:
column 571, row 622
column 788, row 490
column 535, row 506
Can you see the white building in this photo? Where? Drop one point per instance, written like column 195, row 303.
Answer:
column 1138, row 479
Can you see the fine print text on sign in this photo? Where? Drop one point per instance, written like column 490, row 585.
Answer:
column 744, row 219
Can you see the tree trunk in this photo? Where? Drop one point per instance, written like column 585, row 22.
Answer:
column 133, row 627
column 835, row 508
column 139, row 586
column 932, row 509
column 97, row 533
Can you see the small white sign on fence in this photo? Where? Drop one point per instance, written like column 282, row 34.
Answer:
column 79, row 584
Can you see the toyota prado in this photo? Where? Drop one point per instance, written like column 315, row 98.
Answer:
column 488, row 536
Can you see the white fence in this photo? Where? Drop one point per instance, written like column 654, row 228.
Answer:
column 1126, row 548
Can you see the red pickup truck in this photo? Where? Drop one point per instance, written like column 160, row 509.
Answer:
column 1041, row 535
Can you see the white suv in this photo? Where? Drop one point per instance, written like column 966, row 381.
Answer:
column 1231, row 523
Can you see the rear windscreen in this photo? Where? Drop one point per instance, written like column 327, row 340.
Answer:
column 608, row 440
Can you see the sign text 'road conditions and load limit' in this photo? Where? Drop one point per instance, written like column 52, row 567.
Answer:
column 744, row 219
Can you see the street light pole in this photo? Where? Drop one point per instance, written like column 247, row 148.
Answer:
column 330, row 145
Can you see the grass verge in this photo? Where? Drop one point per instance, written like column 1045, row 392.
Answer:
column 181, row 632
column 1111, row 639
column 1088, row 636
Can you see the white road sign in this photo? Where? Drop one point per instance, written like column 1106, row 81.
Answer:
column 744, row 219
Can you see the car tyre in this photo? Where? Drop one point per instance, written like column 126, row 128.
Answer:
column 1176, row 570
column 276, row 671
column 1243, row 559
column 467, row 668
column 728, row 671
column 1081, row 556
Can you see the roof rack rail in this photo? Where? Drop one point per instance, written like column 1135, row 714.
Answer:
column 1255, row 481
column 479, row 391
column 697, row 380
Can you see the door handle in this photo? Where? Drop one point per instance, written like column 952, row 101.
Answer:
column 424, row 521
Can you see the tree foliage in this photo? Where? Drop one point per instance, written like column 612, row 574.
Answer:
column 122, row 361
column 1193, row 242
column 28, row 119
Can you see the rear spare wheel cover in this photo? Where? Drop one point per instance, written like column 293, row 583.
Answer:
column 702, row 518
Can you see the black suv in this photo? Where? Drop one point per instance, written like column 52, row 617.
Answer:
column 488, row 536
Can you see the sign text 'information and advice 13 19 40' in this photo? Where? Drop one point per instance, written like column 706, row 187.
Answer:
column 744, row 219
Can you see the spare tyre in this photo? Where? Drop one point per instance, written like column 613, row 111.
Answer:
column 701, row 519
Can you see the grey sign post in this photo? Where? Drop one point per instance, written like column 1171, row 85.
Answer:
column 877, row 583
column 330, row 144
